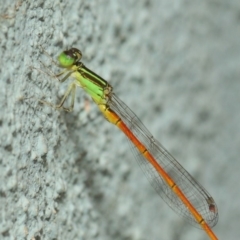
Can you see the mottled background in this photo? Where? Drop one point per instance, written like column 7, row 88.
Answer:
column 72, row 175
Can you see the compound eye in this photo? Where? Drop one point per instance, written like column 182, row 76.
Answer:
column 75, row 53
column 69, row 57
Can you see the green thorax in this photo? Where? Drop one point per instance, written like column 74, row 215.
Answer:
column 93, row 84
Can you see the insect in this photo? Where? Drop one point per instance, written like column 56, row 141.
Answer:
column 170, row 180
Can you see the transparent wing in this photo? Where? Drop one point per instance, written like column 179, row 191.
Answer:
column 193, row 191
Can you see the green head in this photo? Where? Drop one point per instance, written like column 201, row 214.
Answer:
column 69, row 57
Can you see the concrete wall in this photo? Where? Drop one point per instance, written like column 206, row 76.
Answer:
column 72, row 175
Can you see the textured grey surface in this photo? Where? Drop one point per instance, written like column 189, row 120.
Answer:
column 67, row 176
